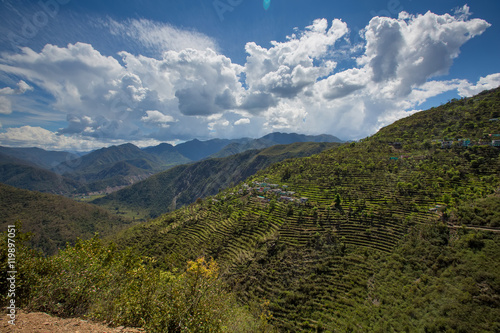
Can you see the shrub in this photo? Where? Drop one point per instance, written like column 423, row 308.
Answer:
column 99, row 281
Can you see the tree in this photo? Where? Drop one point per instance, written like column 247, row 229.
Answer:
column 337, row 201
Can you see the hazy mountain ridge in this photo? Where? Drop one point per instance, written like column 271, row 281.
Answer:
column 270, row 140
column 24, row 174
column 39, row 157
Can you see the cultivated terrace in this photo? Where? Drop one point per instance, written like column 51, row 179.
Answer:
column 376, row 236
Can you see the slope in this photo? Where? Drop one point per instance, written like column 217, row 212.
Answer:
column 184, row 184
column 359, row 238
column 54, row 220
column 23, row 174
column 468, row 118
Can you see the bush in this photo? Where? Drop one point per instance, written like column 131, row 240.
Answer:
column 100, row 282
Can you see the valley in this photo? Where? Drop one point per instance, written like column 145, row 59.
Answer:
column 395, row 232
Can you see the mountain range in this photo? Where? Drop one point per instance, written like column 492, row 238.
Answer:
column 115, row 167
column 399, row 232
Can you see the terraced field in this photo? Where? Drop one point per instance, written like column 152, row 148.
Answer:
column 316, row 254
column 310, row 259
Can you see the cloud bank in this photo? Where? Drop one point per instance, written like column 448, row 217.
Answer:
column 192, row 90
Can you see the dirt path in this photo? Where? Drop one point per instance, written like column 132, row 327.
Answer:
column 38, row 322
column 473, row 227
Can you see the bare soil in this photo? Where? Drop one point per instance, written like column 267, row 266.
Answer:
column 39, row 322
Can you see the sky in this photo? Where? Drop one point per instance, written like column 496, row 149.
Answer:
column 80, row 75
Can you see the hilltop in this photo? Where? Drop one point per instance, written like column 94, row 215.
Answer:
column 472, row 118
column 371, row 236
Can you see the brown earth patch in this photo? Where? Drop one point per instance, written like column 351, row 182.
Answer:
column 39, row 322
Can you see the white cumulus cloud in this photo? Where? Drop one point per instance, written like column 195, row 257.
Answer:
column 157, row 118
column 491, row 81
column 242, row 121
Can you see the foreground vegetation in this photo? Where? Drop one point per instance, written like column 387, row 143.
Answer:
column 100, row 282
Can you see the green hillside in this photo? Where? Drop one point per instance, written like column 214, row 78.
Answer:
column 184, row 184
column 23, row 174
column 368, row 237
column 54, row 220
column 390, row 234
column 473, row 118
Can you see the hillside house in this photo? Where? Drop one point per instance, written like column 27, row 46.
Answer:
column 464, row 142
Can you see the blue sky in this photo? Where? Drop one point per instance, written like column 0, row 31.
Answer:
column 79, row 75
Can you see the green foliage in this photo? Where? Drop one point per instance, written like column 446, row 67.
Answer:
column 123, row 288
column 482, row 212
column 435, row 281
column 183, row 184
column 54, row 220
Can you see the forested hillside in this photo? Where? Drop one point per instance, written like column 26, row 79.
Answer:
column 370, row 236
column 23, row 174
column 184, row 184
column 54, row 220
